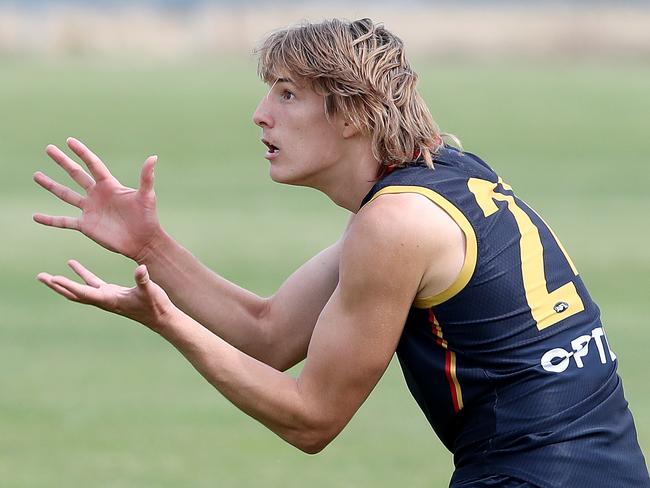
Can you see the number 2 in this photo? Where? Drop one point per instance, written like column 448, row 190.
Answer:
column 547, row 308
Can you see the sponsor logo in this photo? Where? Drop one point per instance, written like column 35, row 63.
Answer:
column 560, row 307
column 559, row 359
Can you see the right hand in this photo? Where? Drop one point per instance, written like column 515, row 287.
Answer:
column 119, row 218
column 146, row 302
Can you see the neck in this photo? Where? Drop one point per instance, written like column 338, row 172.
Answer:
column 351, row 178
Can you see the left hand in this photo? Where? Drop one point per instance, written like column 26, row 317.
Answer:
column 146, row 302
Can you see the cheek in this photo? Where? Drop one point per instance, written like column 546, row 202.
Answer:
column 307, row 141
column 320, row 133
column 315, row 148
column 312, row 139
column 328, row 143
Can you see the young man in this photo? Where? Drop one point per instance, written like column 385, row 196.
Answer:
column 500, row 343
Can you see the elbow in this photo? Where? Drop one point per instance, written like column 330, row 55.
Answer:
column 261, row 343
column 273, row 346
column 285, row 362
column 313, row 449
column 312, row 442
column 314, row 436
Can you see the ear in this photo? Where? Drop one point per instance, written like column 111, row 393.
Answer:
column 349, row 130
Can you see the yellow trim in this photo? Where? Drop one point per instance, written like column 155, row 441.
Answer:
column 471, row 246
column 459, row 394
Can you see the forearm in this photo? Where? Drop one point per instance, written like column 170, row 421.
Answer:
column 273, row 398
column 231, row 312
column 275, row 330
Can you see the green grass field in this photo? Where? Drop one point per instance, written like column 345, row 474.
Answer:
column 91, row 399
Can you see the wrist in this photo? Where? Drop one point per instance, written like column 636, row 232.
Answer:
column 183, row 332
column 155, row 247
column 167, row 322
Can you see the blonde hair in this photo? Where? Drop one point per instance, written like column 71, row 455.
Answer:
column 361, row 70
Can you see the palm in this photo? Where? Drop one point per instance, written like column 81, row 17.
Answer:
column 142, row 305
column 146, row 302
column 119, row 218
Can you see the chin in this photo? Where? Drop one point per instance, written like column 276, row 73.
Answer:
column 280, row 175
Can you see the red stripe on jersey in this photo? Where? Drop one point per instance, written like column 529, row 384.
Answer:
column 450, row 363
column 451, row 373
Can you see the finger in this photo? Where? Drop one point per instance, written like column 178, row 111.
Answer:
column 85, row 274
column 147, row 176
column 97, row 168
column 141, row 276
column 63, row 192
column 59, row 221
column 84, row 293
column 46, row 279
column 71, row 167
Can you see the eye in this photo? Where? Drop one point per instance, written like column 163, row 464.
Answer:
column 287, row 95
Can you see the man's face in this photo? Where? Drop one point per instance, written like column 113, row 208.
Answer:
column 302, row 143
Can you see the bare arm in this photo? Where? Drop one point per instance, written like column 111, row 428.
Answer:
column 274, row 330
column 383, row 261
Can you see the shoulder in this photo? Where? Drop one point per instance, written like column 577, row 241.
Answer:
column 400, row 238
column 407, row 218
column 388, row 220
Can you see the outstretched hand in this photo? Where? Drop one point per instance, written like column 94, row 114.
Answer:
column 146, row 302
column 119, row 218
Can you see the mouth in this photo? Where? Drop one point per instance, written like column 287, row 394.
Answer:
column 272, row 149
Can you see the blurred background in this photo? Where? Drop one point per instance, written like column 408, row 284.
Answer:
column 554, row 95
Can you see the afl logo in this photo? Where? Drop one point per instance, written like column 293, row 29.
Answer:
column 560, row 307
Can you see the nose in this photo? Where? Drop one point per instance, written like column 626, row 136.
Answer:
column 262, row 115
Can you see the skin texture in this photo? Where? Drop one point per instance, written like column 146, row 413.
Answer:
column 343, row 310
column 329, row 155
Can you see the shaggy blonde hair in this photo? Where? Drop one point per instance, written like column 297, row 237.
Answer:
column 361, row 70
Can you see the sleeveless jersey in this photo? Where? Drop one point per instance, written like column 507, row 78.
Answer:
column 510, row 364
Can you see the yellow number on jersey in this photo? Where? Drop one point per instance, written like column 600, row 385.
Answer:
column 547, row 308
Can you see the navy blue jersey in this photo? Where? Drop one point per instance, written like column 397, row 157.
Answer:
column 510, row 364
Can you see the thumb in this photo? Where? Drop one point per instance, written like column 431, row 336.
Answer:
column 141, row 276
column 146, row 175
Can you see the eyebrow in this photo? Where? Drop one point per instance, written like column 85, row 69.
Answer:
column 282, row 80
column 285, row 80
